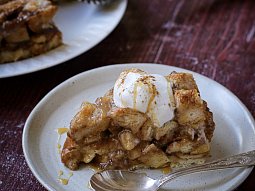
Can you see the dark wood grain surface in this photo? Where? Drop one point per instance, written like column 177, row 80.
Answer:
column 215, row 38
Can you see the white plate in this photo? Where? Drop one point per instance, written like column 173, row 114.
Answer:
column 83, row 26
column 235, row 129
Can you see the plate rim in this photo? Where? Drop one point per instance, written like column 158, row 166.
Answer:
column 124, row 3
column 246, row 172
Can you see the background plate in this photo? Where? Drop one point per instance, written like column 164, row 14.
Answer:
column 83, row 26
column 234, row 133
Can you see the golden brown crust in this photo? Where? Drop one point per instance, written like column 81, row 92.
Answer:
column 153, row 157
column 189, row 107
column 182, row 81
column 90, row 120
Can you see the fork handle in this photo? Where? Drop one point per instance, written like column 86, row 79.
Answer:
column 240, row 160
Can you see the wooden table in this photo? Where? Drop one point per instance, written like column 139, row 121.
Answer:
column 212, row 37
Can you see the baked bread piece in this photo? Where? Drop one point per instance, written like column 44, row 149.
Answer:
column 108, row 137
column 27, row 29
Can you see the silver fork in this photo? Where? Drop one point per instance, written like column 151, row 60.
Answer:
column 88, row 1
column 97, row 1
column 121, row 180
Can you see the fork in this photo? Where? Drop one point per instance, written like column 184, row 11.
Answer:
column 96, row 1
column 90, row 1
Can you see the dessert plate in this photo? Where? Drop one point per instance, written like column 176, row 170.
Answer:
column 83, row 26
column 234, row 133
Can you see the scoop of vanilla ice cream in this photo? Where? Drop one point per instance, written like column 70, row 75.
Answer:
column 148, row 93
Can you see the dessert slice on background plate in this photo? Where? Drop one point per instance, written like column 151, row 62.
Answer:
column 27, row 29
column 144, row 121
column 79, row 35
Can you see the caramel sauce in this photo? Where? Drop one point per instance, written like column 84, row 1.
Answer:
column 153, row 92
column 64, row 181
column 123, row 101
column 58, row 146
column 135, row 94
column 60, row 132
column 166, row 170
